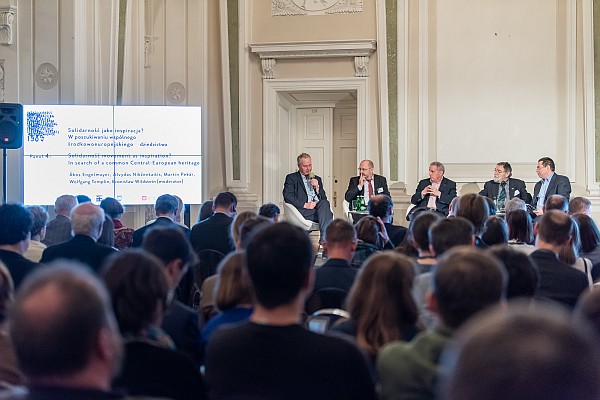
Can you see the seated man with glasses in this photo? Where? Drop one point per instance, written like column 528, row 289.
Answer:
column 504, row 187
column 366, row 184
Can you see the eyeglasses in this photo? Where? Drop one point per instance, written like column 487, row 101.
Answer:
column 499, row 171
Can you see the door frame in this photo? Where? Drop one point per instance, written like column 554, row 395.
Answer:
column 278, row 127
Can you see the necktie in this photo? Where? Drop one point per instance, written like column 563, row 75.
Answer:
column 502, row 195
column 369, row 182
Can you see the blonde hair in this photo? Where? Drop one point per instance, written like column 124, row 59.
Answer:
column 233, row 283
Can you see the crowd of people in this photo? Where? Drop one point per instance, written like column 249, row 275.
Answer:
column 481, row 296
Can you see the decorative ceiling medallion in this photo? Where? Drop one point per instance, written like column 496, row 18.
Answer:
column 315, row 7
column 176, row 93
column 46, row 76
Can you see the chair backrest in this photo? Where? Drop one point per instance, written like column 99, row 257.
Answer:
column 322, row 320
column 293, row 216
column 346, row 208
column 328, row 297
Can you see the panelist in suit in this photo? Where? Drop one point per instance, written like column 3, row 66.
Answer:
column 435, row 193
column 304, row 190
column 550, row 183
column 366, row 184
column 504, row 187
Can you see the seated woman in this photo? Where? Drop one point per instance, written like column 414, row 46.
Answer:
column 494, row 231
column 520, row 231
column 114, row 210
column 372, row 236
column 569, row 253
column 233, row 295
column 589, row 246
column 38, row 232
column 380, row 303
column 138, row 289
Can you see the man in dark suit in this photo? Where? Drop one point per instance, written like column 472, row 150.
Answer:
column 550, row 183
column 87, row 220
column 435, row 193
column 504, row 187
column 180, row 322
column 558, row 281
column 166, row 208
column 304, row 190
column 214, row 232
column 366, row 184
column 59, row 229
column 381, row 206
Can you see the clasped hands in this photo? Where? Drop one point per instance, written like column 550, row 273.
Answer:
column 430, row 190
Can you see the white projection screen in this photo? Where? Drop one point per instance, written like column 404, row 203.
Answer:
column 131, row 153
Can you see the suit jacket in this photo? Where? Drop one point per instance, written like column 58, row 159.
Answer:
column 181, row 323
column 559, row 184
column 213, row 233
column 58, row 231
column 18, row 266
column 558, row 281
column 294, row 191
column 396, row 233
column 379, row 187
column 138, row 235
column 491, row 189
column 335, row 272
column 81, row 248
column 442, row 203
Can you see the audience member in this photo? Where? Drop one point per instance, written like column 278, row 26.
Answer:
column 213, row 232
column 514, row 204
column 64, row 335
column 590, row 242
column 418, row 230
column 380, row 303
column 15, row 232
column 523, row 275
column 494, row 231
column 381, row 206
column 10, row 372
column 248, row 227
column 205, row 210
column 372, row 237
column 474, row 208
column 273, row 356
column 587, row 310
column 87, row 220
column 180, row 322
column 123, row 236
column 558, row 281
column 180, row 216
column 556, row 202
column 139, row 289
column 523, row 353
column 238, row 220
column 492, row 209
column 569, row 254
column 270, row 211
column 466, row 281
column 166, row 213
column 59, row 229
column 108, row 236
column 39, row 217
column 520, row 231
column 580, row 205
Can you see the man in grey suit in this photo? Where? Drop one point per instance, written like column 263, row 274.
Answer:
column 504, row 187
column 550, row 183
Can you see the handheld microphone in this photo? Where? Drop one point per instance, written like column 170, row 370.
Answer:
column 311, row 175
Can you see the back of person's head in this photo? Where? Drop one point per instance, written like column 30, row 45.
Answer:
column 492, row 210
column 165, row 204
column 589, row 234
column 474, row 208
column 87, row 219
column 587, row 309
column 523, row 353
column 419, row 226
column 340, row 232
column 580, row 205
column 168, row 244
column 138, row 288
column 225, row 200
column 514, row 204
column 249, row 227
column 269, row 210
column 238, row 220
column 381, row 206
column 7, row 291
column 112, row 207
column 555, row 227
column 494, row 231
column 279, row 259
column 450, row 232
column 556, row 202
column 380, row 300
column 57, row 318
column 205, row 210
column 39, row 217
column 65, row 204
column 569, row 252
column 82, row 198
column 465, row 282
column 523, row 275
column 520, row 227
column 233, row 286
column 15, row 223
column 452, row 206
column 367, row 230
column 180, row 210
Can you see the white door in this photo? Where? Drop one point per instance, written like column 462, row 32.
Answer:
column 345, row 163
column 314, row 126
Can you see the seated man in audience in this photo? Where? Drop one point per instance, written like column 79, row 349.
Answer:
column 504, row 187
column 366, row 184
column 437, row 192
column 273, row 356
column 550, row 183
column 523, row 353
column 466, row 281
column 270, row 211
column 166, row 211
column 87, row 220
column 381, row 206
column 558, row 281
column 15, row 233
column 180, row 322
column 514, row 204
column 65, row 335
column 213, row 232
column 556, row 202
column 59, row 229
column 580, row 205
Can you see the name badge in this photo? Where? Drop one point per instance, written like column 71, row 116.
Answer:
column 380, row 190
